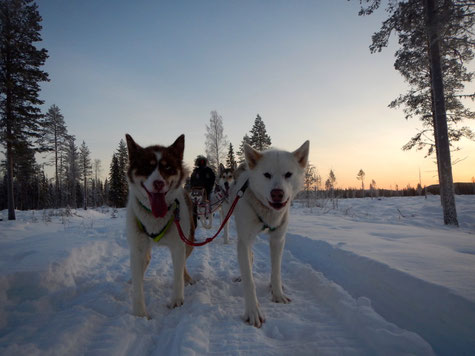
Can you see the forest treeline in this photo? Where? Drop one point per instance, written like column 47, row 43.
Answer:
column 435, row 39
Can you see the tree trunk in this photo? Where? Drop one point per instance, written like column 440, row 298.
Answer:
column 9, row 133
column 11, row 203
column 439, row 173
column 9, row 141
column 85, row 191
column 442, row 139
column 56, row 190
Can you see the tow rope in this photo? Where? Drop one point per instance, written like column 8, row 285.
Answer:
column 213, row 207
column 189, row 242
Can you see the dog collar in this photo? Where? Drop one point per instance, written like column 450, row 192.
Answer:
column 265, row 226
column 143, row 206
column 157, row 237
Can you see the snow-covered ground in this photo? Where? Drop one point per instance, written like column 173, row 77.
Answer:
column 372, row 277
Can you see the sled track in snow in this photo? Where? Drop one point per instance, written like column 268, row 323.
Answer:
column 445, row 320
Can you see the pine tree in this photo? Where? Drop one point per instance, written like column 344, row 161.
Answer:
column 79, row 194
column 360, row 176
column 332, row 178
column 86, row 169
column 123, row 161
column 216, row 141
column 436, row 42
column 100, row 193
column 259, row 138
column 114, row 191
column 105, row 190
column 3, row 192
column 230, row 159
column 123, row 156
column 310, row 180
column 44, row 193
column 20, row 78
column 73, row 174
column 98, row 199
column 245, row 140
column 330, row 184
column 372, row 189
column 25, row 171
column 54, row 139
column 61, row 195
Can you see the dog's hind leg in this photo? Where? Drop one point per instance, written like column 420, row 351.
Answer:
column 188, row 279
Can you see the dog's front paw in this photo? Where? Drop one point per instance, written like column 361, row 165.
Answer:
column 141, row 314
column 254, row 317
column 175, row 303
column 138, row 309
column 280, row 298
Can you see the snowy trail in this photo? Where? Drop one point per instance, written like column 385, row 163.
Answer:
column 76, row 301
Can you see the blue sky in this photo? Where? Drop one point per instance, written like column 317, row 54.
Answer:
column 155, row 70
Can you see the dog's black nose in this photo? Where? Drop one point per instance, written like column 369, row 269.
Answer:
column 277, row 195
column 226, row 185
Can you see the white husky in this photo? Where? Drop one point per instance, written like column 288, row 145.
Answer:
column 274, row 177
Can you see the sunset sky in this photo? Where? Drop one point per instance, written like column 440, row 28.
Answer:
column 156, row 69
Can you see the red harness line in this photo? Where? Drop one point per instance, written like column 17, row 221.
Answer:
column 218, row 203
column 187, row 241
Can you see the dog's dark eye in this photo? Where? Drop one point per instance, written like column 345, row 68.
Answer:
column 288, row 175
column 267, row 175
column 166, row 168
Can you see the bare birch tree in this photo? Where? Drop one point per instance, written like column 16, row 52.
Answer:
column 216, row 142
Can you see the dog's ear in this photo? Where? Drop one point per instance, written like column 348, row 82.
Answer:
column 179, row 146
column 252, row 156
column 132, row 147
column 221, row 168
column 301, row 154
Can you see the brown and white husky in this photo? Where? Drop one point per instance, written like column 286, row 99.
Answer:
column 156, row 175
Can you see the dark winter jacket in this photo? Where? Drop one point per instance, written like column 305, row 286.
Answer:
column 202, row 176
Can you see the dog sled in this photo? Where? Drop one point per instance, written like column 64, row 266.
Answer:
column 204, row 208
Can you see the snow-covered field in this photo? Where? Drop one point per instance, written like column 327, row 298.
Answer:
column 373, row 277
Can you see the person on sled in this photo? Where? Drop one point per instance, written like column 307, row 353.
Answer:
column 202, row 177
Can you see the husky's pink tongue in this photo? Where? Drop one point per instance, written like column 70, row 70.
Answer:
column 158, row 204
